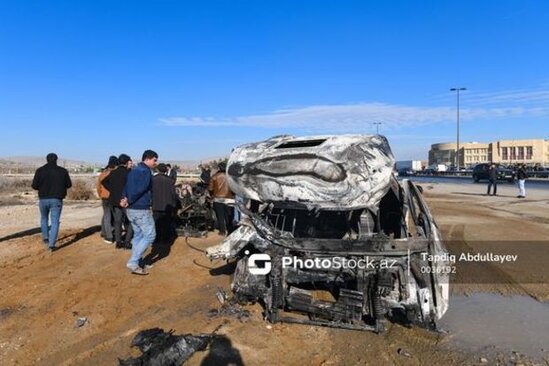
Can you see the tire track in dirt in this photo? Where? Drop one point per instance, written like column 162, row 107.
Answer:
column 114, row 343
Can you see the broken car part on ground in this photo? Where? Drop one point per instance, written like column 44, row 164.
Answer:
column 160, row 348
column 193, row 216
column 333, row 199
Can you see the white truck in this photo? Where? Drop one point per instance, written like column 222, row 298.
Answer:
column 414, row 165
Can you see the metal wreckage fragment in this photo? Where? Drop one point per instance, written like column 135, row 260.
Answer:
column 325, row 200
column 193, row 216
column 161, row 348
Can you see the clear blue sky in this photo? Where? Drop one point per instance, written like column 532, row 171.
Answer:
column 191, row 79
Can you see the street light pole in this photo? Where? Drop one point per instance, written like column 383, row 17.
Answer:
column 377, row 126
column 457, row 90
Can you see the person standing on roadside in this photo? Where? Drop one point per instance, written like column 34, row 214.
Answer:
column 521, row 178
column 163, row 203
column 137, row 199
column 492, row 179
column 51, row 181
column 205, row 174
column 172, row 173
column 103, row 193
column 115, row 183
column 222, row 197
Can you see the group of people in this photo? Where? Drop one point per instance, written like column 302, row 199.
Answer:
column 110, row 188
column 521, row 176
column 139, row 202
column 126, row 192
column 143, row 197
column 115, row 227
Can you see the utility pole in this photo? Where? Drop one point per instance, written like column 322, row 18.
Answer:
column 457, row 90
column 377, row 126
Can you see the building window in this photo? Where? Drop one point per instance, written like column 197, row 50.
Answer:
column 512, row 153
column 529, row 152
column 520, row 153
column 504, row 154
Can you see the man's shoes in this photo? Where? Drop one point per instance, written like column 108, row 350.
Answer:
column 46, row 241
column 519, row 196
column 139, row 271
column 108, row 241
column 51, row 249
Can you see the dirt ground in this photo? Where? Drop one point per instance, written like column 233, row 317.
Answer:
column 44, row 294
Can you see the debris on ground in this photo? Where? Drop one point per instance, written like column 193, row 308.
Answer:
column 229, row 307
column 5, row 312
column 80, row 322
column 160, row 348
column 403, row 352
column 193, row 218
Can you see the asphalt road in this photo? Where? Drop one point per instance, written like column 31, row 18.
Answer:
column 530, row 183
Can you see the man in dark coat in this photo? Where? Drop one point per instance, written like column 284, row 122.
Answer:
column 163, row 203
column 172, row 173
column 492, row 179
column 51, row 181
column 115, row 183
column 521, row 179
column 205, row 174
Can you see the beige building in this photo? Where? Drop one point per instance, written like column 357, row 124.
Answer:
column 530, row 152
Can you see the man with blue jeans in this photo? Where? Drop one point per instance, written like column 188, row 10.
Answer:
column 137, row 199
column 51, row 182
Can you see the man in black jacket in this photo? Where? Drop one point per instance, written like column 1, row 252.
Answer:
column 172, row 173
column 493, row 179
column 163, row 203
column 51, row 182
column 115, row 183
column 521, row 178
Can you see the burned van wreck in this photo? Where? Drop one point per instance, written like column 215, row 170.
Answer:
column 331, row 237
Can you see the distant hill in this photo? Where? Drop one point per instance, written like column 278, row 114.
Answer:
column 27, row 164
column 191, row 164
column 183, row 164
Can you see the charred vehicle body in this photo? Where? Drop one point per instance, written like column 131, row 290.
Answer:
column 336, row 240
column 193, row 215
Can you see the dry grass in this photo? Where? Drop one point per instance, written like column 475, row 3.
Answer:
column 17, row 190
column 11, row 201
column 15, row 185
column 81, row 190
